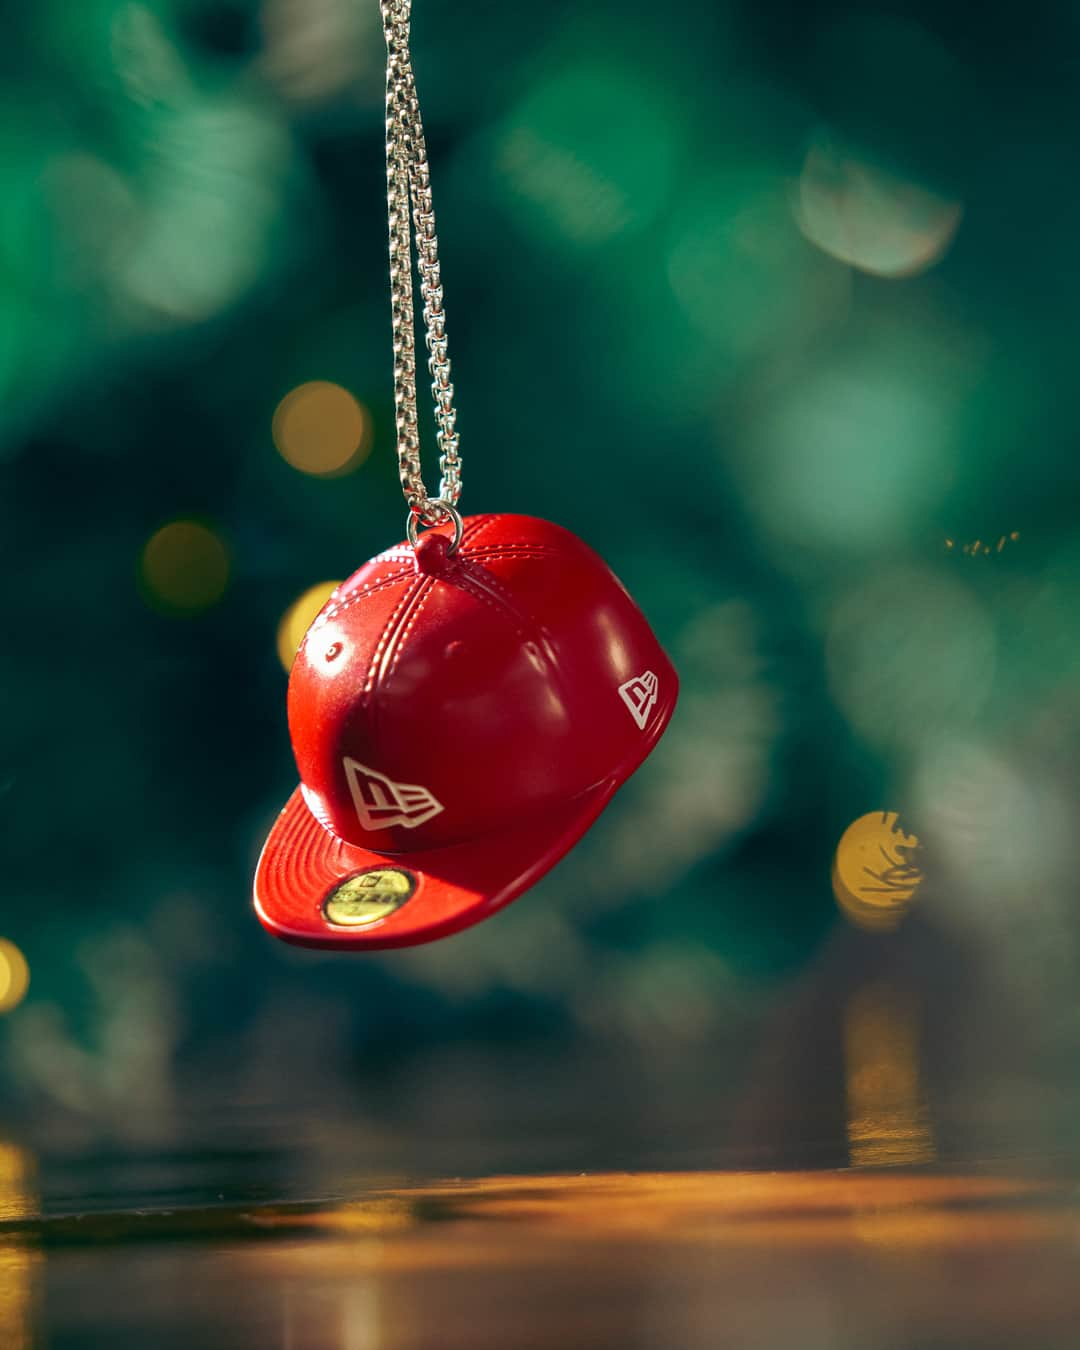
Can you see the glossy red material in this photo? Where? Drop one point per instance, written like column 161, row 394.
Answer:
column 465, row 718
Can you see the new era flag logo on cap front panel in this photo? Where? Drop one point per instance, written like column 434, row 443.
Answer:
column 381, row 803
column 639, row 695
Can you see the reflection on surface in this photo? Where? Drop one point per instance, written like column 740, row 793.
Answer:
column 346, row 1318
column 20, row 1274
column 18, row 1197
column 887, row 1121
column 653, row 1259
column 20, row 1267
column 413, row 1226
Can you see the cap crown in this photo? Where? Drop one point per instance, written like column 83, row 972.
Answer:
column 430, row 709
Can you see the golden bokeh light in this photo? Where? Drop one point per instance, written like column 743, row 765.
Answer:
column 321, row 429
column 184, row 567
column 14, row 977
column 858, row 212
column 887, row 1120
column 297, row 619
column 874, row 876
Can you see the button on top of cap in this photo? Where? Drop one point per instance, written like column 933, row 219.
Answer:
column 432, row 553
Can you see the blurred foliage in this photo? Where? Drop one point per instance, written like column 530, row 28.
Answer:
column 775, row 305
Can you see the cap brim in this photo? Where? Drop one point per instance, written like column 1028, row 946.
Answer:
column 302, row 864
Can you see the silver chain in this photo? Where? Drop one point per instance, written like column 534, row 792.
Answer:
column 408, row 184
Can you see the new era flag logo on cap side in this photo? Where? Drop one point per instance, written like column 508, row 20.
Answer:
column 639, row 695
column 380, row 802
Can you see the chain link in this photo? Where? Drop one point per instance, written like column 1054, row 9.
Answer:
column 408, row 185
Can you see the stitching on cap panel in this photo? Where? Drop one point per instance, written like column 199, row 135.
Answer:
column 369, row 683
column 367, row 588
column 484, row 523
column 494, row 551
column 361, row 593
column 473, row 588
column 526, row 618
column 523, row 543
column 399, row 645
column 524, row 546
column 388, row 554
column 473, row 525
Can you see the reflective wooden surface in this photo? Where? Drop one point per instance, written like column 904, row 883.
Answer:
column 887, row 1163
column 847, row 1259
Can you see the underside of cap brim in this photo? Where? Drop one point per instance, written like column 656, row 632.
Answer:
column 457, row 886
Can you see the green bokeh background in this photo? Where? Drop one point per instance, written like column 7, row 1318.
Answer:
column 663, row 235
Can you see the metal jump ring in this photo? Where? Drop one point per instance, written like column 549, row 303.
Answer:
column 448, row 510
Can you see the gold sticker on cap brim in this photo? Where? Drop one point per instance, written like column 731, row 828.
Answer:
column 368, row 897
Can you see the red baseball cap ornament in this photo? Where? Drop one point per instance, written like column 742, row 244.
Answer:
column 465, row 705
column 459, row 721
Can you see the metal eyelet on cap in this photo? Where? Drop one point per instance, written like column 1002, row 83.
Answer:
column 447, row 511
